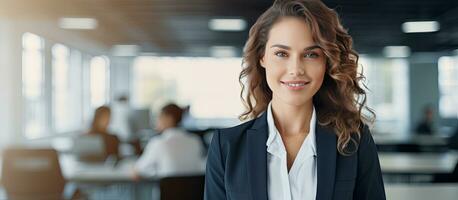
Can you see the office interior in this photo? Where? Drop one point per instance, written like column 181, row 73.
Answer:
column 60, row 60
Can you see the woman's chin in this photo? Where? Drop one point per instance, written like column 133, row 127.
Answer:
column 292, row 101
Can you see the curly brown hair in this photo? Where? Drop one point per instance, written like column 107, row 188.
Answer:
column 341, row 99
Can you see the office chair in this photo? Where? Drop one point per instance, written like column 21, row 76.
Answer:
column 183, row 187
column 34, row 174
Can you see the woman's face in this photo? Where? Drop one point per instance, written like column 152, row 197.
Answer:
column 294, row 64
column 103, row 121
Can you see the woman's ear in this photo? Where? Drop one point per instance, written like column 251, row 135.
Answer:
column 261, row 62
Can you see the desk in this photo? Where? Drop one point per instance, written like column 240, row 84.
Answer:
column 413, row 143
column 422, row 192
column 423, row 140
column 95, row 173
column 101, row 180
column 80, row 172
column 418, row 163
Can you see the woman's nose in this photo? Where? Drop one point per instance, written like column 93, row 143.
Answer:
column 296, row 67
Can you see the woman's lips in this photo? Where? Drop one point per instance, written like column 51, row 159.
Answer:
column 295, row 85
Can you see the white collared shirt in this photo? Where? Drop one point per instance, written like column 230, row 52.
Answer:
column 174, row 152
column 301, row 181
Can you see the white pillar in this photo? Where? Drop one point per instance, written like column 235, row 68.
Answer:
column 10, row 84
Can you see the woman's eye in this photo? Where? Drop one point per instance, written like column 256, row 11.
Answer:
column 311, row 55
column 281, row 54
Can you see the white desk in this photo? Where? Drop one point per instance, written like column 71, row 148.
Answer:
column 75, row 171
column 418, row 163
column 422, row 192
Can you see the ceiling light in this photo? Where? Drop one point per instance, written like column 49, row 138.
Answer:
column 227, row 24
column 420, row 26
column 78, row 23
column 396, row 51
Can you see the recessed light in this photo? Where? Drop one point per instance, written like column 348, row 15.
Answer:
column 420, row 27
column 78, row 23
column 227, row 24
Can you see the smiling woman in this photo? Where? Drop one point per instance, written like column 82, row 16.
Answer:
column 307, row 137
column 294, row 63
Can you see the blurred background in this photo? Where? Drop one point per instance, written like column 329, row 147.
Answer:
column 60, row 60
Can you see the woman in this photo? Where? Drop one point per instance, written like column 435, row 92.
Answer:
column 99, row 126
column 307, row 138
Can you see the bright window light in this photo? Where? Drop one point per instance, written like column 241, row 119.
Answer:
column 420, row 27
column 99, row 81
column 227, row 24
column 209, row 85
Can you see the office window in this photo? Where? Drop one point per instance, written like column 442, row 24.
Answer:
column 99, row 81
column 209, row 85
column 33, row 83
column 448, row 86
column 387, row 80
column 66, row 93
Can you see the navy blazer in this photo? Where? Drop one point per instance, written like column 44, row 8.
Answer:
column 237, row 165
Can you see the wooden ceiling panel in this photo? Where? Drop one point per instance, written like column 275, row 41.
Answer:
column 176, row 26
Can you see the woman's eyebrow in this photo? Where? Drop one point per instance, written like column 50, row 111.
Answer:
column 288, row 48
column 281, row 46
column 312, row 47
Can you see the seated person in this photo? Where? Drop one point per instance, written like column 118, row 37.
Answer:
column 99, row 127
column 426, row 125
column 173, row 152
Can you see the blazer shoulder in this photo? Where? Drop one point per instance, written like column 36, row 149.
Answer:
column 366, row 135
column 235, row 131
column 367, row 149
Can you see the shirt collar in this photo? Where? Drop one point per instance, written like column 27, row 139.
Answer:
column 274, row 135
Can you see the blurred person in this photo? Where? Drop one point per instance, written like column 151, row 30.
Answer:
column 173, row 152
column 306, row 137
column 426, row 124
column 99, row 126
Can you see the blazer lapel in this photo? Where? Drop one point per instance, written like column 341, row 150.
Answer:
column 257, row 158
column 326, row 141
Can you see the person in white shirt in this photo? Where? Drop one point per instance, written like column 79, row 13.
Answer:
column 174, row 152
